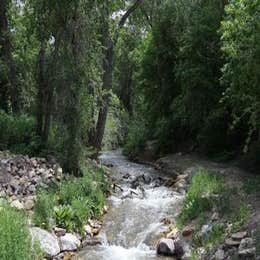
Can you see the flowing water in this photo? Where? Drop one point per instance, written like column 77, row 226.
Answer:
column 133, row 223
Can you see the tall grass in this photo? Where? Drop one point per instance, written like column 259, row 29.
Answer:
column 15, row 241
column 203, row 194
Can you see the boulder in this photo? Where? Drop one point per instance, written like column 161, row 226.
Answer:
column 165, row 247
column 69, row 242
column 47, row 241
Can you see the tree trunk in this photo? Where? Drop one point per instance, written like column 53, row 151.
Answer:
column 6, row 53
column 41, row 89
column 107, row 85
column 49, row 86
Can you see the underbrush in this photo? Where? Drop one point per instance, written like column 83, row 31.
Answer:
column 15, row 241
column 18, row 134
column 72, row 202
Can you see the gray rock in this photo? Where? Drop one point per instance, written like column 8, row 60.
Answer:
column 69, row 242
column 246, row 248
column 47, row 241
column 29, row 204
column 59, row 231
column 239, row 235
column 219, row 255
column 17, row 204
column 91, row 242
column 231, row 242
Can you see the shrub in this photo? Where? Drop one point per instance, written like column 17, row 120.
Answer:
column 73, row 201
column 18, row 134
column 15, row 242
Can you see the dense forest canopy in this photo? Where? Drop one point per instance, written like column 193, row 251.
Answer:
column 185, row 74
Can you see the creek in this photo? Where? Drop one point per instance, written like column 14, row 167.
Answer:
column 137, row 208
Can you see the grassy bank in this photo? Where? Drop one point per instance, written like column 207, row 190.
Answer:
column 208, row 195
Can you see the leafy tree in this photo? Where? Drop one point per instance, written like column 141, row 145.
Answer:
column 241, row 46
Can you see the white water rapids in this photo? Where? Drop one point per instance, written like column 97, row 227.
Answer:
column 133, row 223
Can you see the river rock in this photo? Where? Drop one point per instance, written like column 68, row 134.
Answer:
column 239, row 236
column 59, row 231
column 187, row 231
column 29, row 204
column 246, row 248
column 231, row 242
column 69, row 242
column 47, row 241
column 165, row 247
column 17, row 204
column 219, row 255
column 91, row 242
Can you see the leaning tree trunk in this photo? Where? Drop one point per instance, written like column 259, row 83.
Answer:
column 6, row 51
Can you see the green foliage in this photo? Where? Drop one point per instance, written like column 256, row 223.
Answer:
column 73, row 201
column 116, row 125
column 64, row 216
column 204, row 193
column 240, row 43
column 215, row 237
column 240, row 216
column 135, row 140
column 17, row 133
column 43, row 210
column 252, row 185
column 15, row 240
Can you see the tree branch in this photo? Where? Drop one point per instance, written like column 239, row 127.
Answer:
column 132, row 8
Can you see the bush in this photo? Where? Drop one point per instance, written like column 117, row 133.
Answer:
column 73, row 201
column 15, row 241
column 18, row 134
